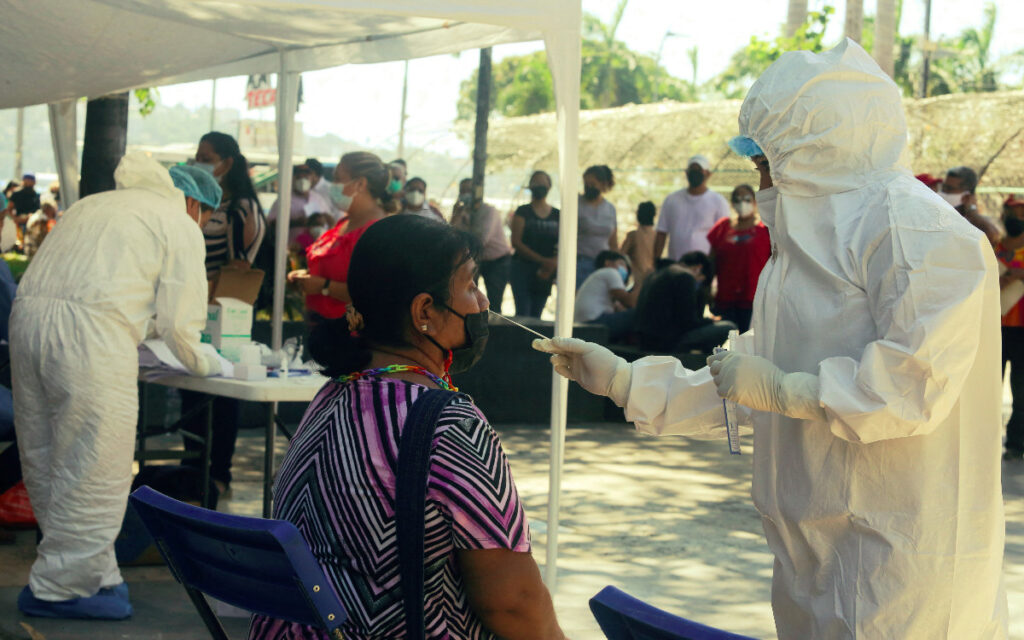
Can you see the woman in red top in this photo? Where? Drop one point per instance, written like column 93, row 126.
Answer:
column 359, row 189
column 740, row 247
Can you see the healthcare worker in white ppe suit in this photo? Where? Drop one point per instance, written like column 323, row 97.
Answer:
column 872, row 371
column 115, row 261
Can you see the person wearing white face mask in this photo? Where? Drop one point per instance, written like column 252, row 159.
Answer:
column 958, row 190
column 117, row 260
column 870, row 375
column 361, row 189
column 740, row 247
column 305, row 202
column 322, row 186
column 236, row 229
column 414, row 200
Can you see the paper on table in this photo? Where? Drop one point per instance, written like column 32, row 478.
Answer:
column 157, row 358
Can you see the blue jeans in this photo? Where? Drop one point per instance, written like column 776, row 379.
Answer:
column 529, row 292
column 495, row 275
column 584, row 267
column 619, row 324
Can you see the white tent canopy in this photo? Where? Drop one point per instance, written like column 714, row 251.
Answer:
column 56, row 52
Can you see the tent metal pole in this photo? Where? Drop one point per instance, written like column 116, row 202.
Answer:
column 65, row 150
column 563, row 48
column 19, row 140
column 401, row 123
column 213, row 105
column 483, row 111
column 285, row 104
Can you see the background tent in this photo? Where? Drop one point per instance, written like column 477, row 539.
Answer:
column 56, row 52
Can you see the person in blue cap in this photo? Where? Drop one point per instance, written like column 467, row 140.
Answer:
column 117, row 260
column 202, row 193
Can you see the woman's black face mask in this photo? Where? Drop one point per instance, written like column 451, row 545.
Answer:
column 477, row 332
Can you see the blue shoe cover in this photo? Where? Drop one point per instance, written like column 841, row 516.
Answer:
column 97, row 607
column 120, row 591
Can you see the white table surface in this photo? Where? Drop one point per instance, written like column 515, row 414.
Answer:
column 292, row 389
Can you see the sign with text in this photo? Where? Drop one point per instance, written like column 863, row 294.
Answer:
column 258, row 92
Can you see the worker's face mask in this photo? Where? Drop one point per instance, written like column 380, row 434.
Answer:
column 194, row 211
column 303, row 185
column 744, row 207
column 954, row 199
column 695, row 176
column 338, row 197
column 539, row 191
column 624, row 272
column 1014, row 226
column 394, row 186
column 414, row 198
column 317, row 230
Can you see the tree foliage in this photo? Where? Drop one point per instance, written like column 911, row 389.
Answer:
column 751, row 61
column 965, row 62
column 147, row 100
column 612, row 75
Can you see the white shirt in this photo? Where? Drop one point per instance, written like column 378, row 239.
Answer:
column 687, row 218
column 595, row 225
column 302, row 206
column 323, row 187
column 594, row 299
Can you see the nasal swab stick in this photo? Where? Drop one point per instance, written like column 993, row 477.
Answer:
column 511, row 321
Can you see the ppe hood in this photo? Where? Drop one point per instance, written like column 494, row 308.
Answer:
column 828, row 122
column 138, row 171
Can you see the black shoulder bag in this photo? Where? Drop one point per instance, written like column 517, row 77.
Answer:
column 411, row 499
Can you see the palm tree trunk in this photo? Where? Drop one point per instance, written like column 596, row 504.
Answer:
column 885, row 35
column 796, row 16
column 854, row 19
column 106, row 134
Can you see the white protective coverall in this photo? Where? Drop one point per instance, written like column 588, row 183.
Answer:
column 115, row 260
column 886, row 518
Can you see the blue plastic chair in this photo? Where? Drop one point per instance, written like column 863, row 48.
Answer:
column 262, row 566
column 623, row 617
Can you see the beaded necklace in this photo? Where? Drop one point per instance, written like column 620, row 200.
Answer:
column 445, row 383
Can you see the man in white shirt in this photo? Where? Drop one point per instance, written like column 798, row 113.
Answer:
column 485, row 223
column 602, row 298
column 322, row 186
column 414, row 201
column 688, row 214
column 305, row 201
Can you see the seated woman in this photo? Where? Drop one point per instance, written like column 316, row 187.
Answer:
column 416, row 313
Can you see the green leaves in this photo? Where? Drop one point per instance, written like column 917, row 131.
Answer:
column 612, row 75
column 751, row 61
column 146, row 99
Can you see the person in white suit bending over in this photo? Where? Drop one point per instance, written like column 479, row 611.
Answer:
column 871, row 371
column 115, row 261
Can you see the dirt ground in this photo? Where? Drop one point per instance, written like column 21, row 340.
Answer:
column 668, row 520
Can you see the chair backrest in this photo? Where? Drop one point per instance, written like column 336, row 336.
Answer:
column 623, row 617
column 263, row 566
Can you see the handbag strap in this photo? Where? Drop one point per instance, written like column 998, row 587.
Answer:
column 411, row 498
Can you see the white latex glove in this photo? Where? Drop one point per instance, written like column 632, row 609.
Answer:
column 754, row 382
column 212, row 364
column 595, row 368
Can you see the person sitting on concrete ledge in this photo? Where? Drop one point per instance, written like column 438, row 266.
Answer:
column 670, row 311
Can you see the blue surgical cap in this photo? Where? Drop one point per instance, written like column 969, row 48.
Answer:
column 744, row 146
column 206, row 185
